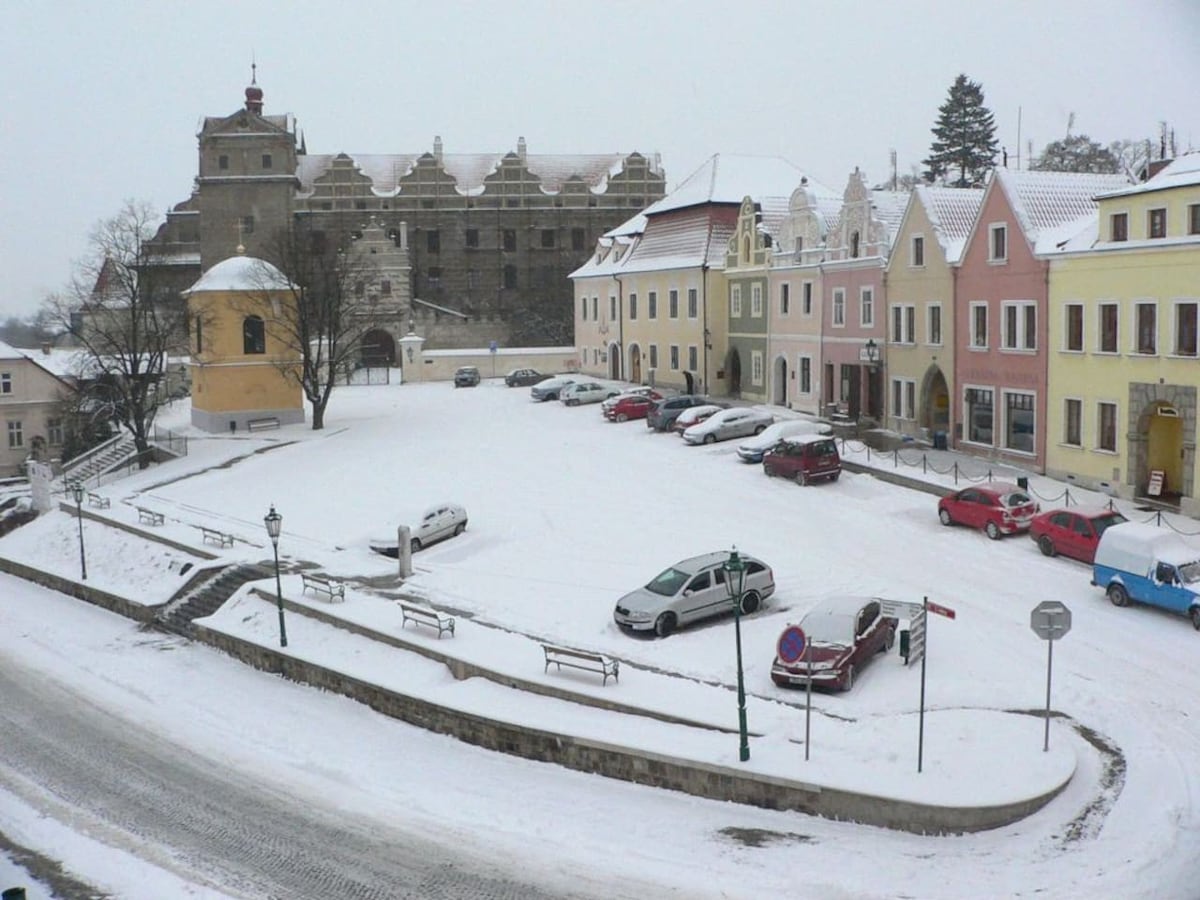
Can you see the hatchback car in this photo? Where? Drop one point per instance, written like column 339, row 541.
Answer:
column 586, row 392
column 805, row 458
column 466, row 376
column 628, row 406
column 843, row 634
column 690, row 591
column 550, row 388
column 435, row 523
column 729, row 423
column 752, row 449
column 999, row 508
column 1072, row 532
column 694, row 416
column 665, row 412
column 523, row 377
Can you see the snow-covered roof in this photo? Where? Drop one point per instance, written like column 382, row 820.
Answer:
column 951, row 212
column 774, row 212
column 1181, row 172
column 686, row 241
column 728, row 178
column 241, row 273
column 1045, row 202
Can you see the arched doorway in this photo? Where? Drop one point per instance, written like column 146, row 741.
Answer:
column 1162, row 425
column 635, row 363
column 935, row 401
column 377, row 348
column 733, row 372
column 779, row 385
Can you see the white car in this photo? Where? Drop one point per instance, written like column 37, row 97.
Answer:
column 435, row 523
column 586, row 392
column 550, row 388
column 694, row 414
column 740, row 421
column 752, row 449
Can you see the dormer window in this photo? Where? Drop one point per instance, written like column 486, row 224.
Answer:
column 1118, row 227
column 998, row 243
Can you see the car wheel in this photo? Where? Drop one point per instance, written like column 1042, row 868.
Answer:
column 572, row 402
column 993, row 531
column 710, row 438
column 834, row 476
column 1046, row 545
column 802, row 478
column 1194, row 614
column 750, row 602
column 1117, row 595
column 415, row 544
column 460, row 528
column 621, row 417
column 768, row 471
column 665, row 624
column 944, row 515
column 760, row 429
column 848, row 679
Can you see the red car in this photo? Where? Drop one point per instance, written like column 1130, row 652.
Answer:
column 844, row 634
column 1072, row 532
column 630, row 406
column 999, row 508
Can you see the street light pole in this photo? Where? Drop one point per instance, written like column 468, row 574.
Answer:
column 735, row 580
column 77, row 494
column 274, row 522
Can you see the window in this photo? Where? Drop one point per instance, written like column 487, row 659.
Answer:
column 222, row 162
column 1118, row 227
column 693, row 357
column 675, row 357
column 633, row 306
column 904, row 324
column 854, row 245
column 1194, row 218
column 1020, row 325
column 595, row 309
column 472, row 238
column 1073, row 422
column 1106, row 427
column 784, row 298
column 839, row 307
column 1145, row 318
column 254, row 339
column 756, row 306
column 934, row 326
column 510, row 276
column 673, row 303
column 654, row 356
column 1156, row 223
column 5, row 382
column 979, row 326
column 433, row 241
column 16, row 437
column 583, row 308
column 266, row 160
column 247, row 225
column 735, row 301
column 916, row 254
column 979, row 415
column 998, row 243
column 473, row 278
column 652, row 305
column 1019, row 421
column 866, row 300
column 510, row 240
column 547, row 238
column 805, row 368
column 199, row 340
column 756, row 367
column 433, row 276
column 55, row 432
column 1108, row 328
column 806, row 297
column 903, row 398
column 578, row 239
column 612, row 307
column 1074, row 328
column 1185, row 328
column 693, row 303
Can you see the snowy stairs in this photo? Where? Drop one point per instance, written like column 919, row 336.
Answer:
column 205, row 598
column 100, row 462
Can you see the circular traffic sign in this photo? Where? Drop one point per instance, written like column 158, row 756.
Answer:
column 1050, row 620
column 791, row 644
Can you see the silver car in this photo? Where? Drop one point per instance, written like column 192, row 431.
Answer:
column 690, row 591
column 740, row 421
column 551, row 388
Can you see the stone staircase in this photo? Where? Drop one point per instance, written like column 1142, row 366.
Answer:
column 204, row 595
column 88, row 467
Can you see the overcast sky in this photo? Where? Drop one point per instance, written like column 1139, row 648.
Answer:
column 103, row 102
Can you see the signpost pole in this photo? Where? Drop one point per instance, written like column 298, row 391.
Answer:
column 1050, row 620
column 1049, row 669
column 808, row 701
column 921, row 719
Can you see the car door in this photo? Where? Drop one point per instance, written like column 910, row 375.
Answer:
column 1083, row 538
column 967, row 509
column 731, row 426
column 698, row 599
column 1167, row 590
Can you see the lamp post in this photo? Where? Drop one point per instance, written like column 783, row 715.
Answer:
column 872, row 353
column 77, row 494
column 735, row 580
column 274, row 522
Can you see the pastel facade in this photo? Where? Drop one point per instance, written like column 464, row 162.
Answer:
column 747, row 272
column 31, row 412
column 1123, row 374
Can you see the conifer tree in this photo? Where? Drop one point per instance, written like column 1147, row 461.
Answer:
column 964, row 145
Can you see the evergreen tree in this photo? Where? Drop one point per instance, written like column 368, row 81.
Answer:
column 964, row 145
column 1076, row 153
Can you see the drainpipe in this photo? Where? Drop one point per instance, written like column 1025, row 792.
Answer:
column 704, row 300
column 620, row 326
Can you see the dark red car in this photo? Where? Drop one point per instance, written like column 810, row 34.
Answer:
column 999, row 508
column 630, row 406
column 1072, row 532
column 843, row 634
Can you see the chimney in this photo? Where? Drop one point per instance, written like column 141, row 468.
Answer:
column 45, row 348
column 437, row 148
column 521, row 148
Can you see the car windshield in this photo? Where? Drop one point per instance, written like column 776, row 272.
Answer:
column 1190, row 572
column 829, row 628
column 1102, row 523
column 668, row 582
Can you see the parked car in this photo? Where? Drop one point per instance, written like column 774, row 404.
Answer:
column 805, row 458
column 690, row 591
column 999, row 508
column 628, row 406
column 664, row 413
column 586, row 392
column 694, row 416
column 729, row 423
column 466, row 376
column 435, row 523
column 843, row 635
column 550, row 388
column 752, row 449
column 523, row 377
column 1151, row 565
column 641, row 391
column 1072, row 532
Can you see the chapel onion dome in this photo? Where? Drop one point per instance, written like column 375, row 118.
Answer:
column 254, row 94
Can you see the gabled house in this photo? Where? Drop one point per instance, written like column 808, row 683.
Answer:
column 1124, row 317
column 31, row 409
column 1000, row 308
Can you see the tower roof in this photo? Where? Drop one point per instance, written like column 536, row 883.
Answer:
column 241, row 273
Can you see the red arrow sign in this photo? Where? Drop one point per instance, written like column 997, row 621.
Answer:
column 940, row 610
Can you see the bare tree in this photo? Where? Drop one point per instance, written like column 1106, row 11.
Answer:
column 127, row 316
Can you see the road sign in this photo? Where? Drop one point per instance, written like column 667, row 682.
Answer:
column 899, row 609
column 940, row 610
column 493, row 346
column 791, row 644
column 1050, row 620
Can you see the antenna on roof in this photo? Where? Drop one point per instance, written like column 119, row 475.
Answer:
column 1070, row 123
column 1018, row 138
column 892, row 155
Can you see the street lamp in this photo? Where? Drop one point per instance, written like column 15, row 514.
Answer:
column 872, row 353
column 77, row 493
column 735, row 580
column 274, row 522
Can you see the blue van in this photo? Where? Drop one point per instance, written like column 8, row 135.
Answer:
column 1149, row 565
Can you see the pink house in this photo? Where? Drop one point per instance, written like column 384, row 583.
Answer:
column 1000, row 308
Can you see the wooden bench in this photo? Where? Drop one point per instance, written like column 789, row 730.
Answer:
column 261, row 424
column 98, row 501
column 582, row 659
column 424, row 615
column 220, row 538
column 149, row 516
column 319, row 584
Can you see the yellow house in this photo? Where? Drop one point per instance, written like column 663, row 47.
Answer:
column 1123, row 320
column 244, row 373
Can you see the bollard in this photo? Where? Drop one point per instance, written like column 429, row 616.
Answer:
column 404, row 550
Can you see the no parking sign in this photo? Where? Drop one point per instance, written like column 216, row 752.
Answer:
column 792, row 644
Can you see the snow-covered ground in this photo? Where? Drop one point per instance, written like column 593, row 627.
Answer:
column 567, row 513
